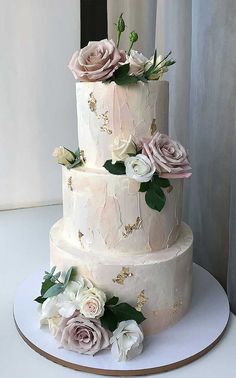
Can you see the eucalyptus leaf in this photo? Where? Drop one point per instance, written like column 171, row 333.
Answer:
column 68, row 277
column 123, row 311
column 112, row 301
column 54, row 290
column 53, row 269
column 116, row 169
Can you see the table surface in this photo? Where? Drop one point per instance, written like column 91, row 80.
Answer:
column 24, row 246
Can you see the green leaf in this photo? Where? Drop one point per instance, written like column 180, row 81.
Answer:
column 67, row 149
column 123, row 80
column 122, row 70
column 54, row 290
column 144, row 186
column 162, row 182
column 40, row 299
column 155, row 198
column 52, row 270
column 108, row 320
column 46, row 285
column 77, row 153
column 67, row 277
column 142, row 78
column 123, row 311
column 74, row 164
column 70, row 276
column 112, row 301
column 116, row 169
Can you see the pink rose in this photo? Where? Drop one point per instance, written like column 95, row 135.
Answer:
column 85, row 336
column 97, row 61
column 168, row 156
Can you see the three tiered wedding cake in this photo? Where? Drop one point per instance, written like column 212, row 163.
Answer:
column 121, row 229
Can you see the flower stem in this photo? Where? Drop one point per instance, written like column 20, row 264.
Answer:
column 118, row 39
column 131, row 45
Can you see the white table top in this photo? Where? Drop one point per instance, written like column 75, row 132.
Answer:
column 18, row 230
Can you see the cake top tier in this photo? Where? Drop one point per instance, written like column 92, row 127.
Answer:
column 109, row 113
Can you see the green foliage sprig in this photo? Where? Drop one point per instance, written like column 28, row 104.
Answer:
column 157, row 69
column 52, row 285
column 115, row 313
column 79, row 159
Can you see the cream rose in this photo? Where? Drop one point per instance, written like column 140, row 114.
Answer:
column 85, row 336
column 139, row 168
column 137, row 63
column 122, row 148
column 127, row 341
column 63, row 155
column 92, row 302
column 168, row 156
column 97, row 61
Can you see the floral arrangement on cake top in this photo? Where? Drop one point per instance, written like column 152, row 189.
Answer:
column 104, row 61
column 82, row 319
column 152, row 162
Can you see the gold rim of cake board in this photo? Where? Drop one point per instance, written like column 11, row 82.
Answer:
column 110, row 372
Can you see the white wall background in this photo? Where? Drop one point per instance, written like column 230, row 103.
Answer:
column 37, row 97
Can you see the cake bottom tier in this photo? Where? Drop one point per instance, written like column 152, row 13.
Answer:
column 158, row 283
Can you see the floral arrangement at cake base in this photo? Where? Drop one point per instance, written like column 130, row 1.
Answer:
column 82, row 319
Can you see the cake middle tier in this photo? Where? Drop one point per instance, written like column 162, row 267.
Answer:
column 107, row 213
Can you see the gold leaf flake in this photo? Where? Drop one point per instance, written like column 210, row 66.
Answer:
column 121, row 277
column 103, row 116
column 176, row 306
column 80, row 235
column 141, row 300
column 69, row 183
column 92, row 103
column 153, row 127
column 129, row 228
column 169, row 189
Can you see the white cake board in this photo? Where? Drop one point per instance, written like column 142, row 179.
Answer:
column 194, row 335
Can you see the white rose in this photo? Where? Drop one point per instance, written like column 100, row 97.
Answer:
column 127, row 341
column 137, row 63
column 63, row 155
column 92, row 302
column 122, row 148
column 139, row 168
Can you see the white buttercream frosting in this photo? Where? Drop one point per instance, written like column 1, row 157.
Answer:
column 164, row 277
column 105, row 213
